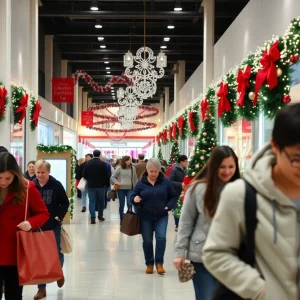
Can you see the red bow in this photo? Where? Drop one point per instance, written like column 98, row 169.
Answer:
column 243, row 80
column 165, row 136
column 204, row 108
column 3, row 94
column 171, row 132
column 22, row 107
column 175, row 131
column 224, row 104
column 180, row 125
column 268, row 70
column 191, row 121
column 36, row 113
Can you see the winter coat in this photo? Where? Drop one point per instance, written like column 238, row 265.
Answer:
column 140, row 168
column 154, row 198
column 12, row 214
column 126, row 177
column 56, row 200
column 276, row 237
column 96, row 173
column 78, row 172
column 176, row 177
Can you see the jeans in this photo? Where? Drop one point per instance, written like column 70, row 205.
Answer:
column 158, row 226
column 57, row 232
column 83, row 197
column 106, row 196
column 203, row 282
column 13, row 291
column 176, row 219
column 96, row 195
column 122, row 194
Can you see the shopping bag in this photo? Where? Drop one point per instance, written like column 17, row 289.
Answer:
column 82, row 184
column 112, row 195
column 65, row 242
column 37, row 258
column 130, row 224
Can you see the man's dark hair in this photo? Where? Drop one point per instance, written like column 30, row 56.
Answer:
column 141, row 156
column 96, row 153
column 182, row 158
column 90, row 155
column 286, row 130
column 3, row 149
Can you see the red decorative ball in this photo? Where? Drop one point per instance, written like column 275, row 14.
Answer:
column 294, row 58
column 231, row 122
column 286, row 99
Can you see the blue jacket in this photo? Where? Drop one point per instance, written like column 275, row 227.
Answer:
column 154, row 198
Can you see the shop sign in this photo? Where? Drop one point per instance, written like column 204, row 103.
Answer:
column 124, row 144
column 87, row 118
column 246, row 126
column 63, row 90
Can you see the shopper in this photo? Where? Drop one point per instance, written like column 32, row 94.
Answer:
column 154, row 196
column 176, row 177
column 274, row 172
column 200, row 202
column 57, row 202
column 30, row 173
column 78, row 175
column 125, row 177
column 84, row 193
column 13, row 195
column 97, row 176
column 140, row 166
column 103, row 158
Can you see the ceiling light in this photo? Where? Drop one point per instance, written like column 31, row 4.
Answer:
column 103, row 46
column 94, row 5
column 171, row 25
column 166, row 39
column 107, row 72
column 98, row 23
column 100, row 38
column 163, row 47
column 106, row 62
column 178, row 6
column 107, row 68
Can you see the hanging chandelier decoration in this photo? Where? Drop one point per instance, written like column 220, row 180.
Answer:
column 128, row 97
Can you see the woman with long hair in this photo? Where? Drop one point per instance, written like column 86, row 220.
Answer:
column 125, row 177
column 199, row 207
column 13, row 197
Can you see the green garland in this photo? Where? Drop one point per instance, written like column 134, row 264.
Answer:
column 32, row 108
column 61, row 149
column 196, row 119
column 174, row 155
column 5, row 103
column 159, row 154
column 185, row 130
column 17, row 93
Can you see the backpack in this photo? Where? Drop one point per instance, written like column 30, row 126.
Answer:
column 247, row 249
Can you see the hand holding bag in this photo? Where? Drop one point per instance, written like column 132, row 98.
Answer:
column 65, row 242
column 37, row 256
column 82, row 184
column 130, row 224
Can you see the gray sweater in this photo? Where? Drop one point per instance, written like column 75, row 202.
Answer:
column 126, row 177
column 193, row 225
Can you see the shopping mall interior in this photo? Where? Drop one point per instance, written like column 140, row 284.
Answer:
column 138, row 76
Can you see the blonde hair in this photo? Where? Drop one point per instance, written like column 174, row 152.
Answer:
column 81, row 161
column 43, row 163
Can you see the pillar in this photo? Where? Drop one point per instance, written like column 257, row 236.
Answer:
column 5, row 63
column 167, row 102
column 75, row 104
column 161, row 111
column 80, row 95
column 208, row 43
column 89, row 102
column 48, row 66
column 179, row 81
column 64, row 74
column 85, row 101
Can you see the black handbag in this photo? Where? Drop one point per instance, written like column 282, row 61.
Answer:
column 247, row 249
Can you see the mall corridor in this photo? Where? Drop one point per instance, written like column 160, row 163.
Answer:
column 107, row 265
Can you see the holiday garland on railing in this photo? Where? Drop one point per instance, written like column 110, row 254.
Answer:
column 3, row 101
column 19, row 98
column 34, row 112
column 63, row 149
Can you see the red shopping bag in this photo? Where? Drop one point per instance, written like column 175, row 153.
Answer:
column 37, row 258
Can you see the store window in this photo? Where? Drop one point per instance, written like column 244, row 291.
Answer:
column 69, row 138
column 17, row 144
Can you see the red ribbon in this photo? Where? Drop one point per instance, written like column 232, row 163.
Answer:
column 36, row 113
column 171, row 132
column 22, row 107
column 180, row 125
column 268, row 70
column 224, row 104
column 191, row 121
column 3, row 94
column 174, row 131
column 243, row 80
column 165, row 135
column 204, row 108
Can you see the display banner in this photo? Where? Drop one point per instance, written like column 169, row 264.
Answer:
column 63, row 90
column 87, row 118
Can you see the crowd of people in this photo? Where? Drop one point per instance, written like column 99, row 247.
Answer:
column 214, row 230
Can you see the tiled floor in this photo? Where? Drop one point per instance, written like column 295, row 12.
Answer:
column 107, row 265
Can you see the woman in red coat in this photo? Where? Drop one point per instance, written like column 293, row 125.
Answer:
column 13, row 190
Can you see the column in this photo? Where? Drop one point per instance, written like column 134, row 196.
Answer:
column 167, row 101
column 80, row 95
column 179, row 81
column 48, row 67
column 161, row 111
column 75, row 104
column 64, row 74
column 5, row 63
column 208, row 43
column 89, row 102
column 85, row 101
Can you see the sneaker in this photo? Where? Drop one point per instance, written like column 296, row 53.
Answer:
column 41, row 294
column 60, row 282
column 83, row 209
column 101, row 219
column 93, row 220
column 149, row 269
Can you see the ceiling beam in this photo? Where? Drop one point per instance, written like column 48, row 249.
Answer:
column 200, row 36
column 168, row 52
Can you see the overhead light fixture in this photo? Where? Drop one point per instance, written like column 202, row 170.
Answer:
column 171, row 25
column 98, row 23
column 163, row 47
column 106, row 62
column 94, row 5
column 107, row 72
column 100, row 38
column 166, row 39
column 102, row 46
column 178, row 6
column 107, row 68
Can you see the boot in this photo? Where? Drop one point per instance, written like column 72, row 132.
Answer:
column 160, row 269
column 41, row 294
column 60, row 282
column 93, row 220
column 83, row 209
column 149, row 269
